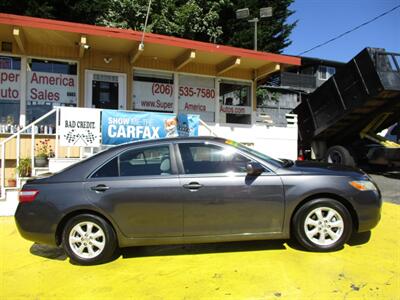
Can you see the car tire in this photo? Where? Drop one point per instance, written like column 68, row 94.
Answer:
column 339, row 155
column 322, row 225
column 89, row 239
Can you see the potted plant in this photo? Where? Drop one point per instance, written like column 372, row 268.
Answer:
column 12, row 182
column 43, row 152
column 24, row 170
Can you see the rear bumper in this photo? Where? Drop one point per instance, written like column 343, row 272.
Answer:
column 36, row 223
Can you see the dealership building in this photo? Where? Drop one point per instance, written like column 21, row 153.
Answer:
column 47, row 63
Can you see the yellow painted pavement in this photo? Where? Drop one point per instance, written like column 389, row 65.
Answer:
column 245, row 270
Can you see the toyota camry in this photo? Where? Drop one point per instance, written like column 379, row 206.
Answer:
column 194, row 190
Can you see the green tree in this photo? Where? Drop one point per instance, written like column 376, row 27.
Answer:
column 191, row 19
column 83, row 11
column 202, row 20
column 273, row 33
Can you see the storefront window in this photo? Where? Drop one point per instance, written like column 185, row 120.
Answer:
column 153, row 91
column 197, row 96
column 235, row 102
column 49, row 83
column 10, row 87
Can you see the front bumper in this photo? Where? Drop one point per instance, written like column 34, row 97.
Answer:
column 368, row 206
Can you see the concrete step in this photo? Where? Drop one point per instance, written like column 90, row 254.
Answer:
column 9, row 203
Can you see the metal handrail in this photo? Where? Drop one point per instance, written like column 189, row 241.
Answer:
column 18, row 149
column 208, row 128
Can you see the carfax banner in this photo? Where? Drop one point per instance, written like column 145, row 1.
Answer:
column 122, row 126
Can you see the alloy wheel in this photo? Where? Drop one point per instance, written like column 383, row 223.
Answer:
column 87, row 239
column 324, row 226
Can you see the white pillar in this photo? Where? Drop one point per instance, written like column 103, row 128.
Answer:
column 217, row 81
column 176, row 93
column 23, row 89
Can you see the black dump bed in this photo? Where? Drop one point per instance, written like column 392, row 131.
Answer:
column 365, row 87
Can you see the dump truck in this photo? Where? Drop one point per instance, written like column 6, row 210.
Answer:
column 340, row 121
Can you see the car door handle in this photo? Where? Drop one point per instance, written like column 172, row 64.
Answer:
column 100, row 188
column 193, row 186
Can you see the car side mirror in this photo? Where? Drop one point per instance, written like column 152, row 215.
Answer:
column 254, row 168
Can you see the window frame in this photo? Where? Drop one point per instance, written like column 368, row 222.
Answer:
column 24, row 80
column 179, row 160
column 17, row 121
column 324, row 76
column 252, row 96
column 152, row 74
column 174, row 168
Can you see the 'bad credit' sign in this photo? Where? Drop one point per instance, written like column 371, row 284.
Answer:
column 79, row 127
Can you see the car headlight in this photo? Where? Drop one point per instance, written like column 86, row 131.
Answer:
column 363, row 185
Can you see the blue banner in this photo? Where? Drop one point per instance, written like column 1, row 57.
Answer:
column 122, row 126
column 188, row 125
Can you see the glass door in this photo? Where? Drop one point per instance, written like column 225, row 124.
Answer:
column 105, row 90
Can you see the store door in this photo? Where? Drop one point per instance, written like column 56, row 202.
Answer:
column 105, row 90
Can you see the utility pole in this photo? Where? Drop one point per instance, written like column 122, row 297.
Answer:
column 255, row 21
column 141, row 45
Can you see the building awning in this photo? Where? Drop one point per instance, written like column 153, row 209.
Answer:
column 175, row 52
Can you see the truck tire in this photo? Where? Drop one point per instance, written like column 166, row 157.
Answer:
column 339, row 155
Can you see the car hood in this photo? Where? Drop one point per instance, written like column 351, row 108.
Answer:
column 317, row 168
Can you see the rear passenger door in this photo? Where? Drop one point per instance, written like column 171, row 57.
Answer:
column 219, row 197
column 138, row 190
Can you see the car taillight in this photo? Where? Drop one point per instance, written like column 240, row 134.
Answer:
column 27, row 195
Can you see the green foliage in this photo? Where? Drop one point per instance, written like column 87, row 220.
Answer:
column 83, row 11
column 24, row 168
column 202, row 20
column 264, row 96
column 191, row 19
column 273, row 33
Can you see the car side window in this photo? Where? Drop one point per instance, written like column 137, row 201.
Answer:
column 145, row 161
column 110, row 169
column 201, row 158
column 138, row 162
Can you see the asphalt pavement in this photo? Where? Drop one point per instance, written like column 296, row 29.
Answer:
column 389, row 186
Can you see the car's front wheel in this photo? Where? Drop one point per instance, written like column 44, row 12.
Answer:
column 322, row 225
column 88, row 239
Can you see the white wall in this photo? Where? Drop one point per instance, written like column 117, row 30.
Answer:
column 278, row 142
column 10, row 203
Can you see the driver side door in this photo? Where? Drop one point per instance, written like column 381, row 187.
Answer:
column 219, row 198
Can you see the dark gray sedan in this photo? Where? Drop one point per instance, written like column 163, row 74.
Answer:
column 194, row 190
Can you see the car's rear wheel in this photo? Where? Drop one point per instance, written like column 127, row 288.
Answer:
column 89, row 239
column 322, row 225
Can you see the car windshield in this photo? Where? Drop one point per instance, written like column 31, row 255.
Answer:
column 274, row 161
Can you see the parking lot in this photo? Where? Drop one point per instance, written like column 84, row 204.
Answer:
column 390, row 187
column 367, row 268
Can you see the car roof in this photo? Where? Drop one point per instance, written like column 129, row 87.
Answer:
column 171, row 139
column 82, row 169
